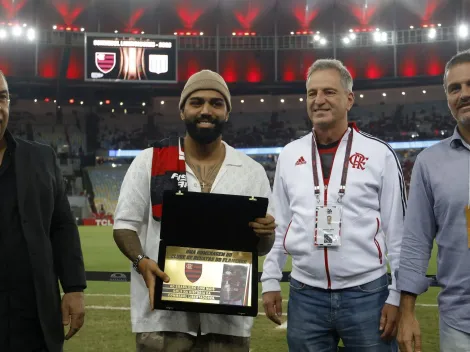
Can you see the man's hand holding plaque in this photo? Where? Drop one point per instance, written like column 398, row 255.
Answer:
column 150, row 271
column 264, row 226
column 264, row 229
column 213, row 264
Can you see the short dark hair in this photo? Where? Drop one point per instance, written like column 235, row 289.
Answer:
column 462, row 57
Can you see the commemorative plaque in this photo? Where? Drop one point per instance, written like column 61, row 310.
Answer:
column 209, row 252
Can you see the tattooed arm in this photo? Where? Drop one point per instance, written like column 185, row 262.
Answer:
column 128, row 243
column 133, row 206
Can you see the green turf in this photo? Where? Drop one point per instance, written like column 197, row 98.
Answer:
column 99, row 250
column 109, row 330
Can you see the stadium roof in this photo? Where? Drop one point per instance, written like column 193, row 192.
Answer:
column 263, row 17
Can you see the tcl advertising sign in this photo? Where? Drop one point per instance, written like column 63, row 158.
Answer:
column 98, row 222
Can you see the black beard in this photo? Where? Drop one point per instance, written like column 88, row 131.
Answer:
column 204, row 135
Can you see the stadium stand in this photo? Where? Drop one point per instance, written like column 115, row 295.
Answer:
column 106, row 182
column 65, row 129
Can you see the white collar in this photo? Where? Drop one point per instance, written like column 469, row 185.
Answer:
column 231, row 155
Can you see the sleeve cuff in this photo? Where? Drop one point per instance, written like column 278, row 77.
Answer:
column 74, row 289
column 271, row 285
column 393, row 298
column 123, row 225
column 412, row 282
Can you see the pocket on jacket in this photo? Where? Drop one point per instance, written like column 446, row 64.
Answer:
column 377, row 244
column 285, row 238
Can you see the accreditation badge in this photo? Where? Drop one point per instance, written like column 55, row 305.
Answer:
column 328, row 226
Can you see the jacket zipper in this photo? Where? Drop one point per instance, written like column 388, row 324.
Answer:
column 327, row 269
column 377, row 242
column 285, row 237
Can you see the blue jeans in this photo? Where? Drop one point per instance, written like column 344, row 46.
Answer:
column 318, row 318
column 452, row 340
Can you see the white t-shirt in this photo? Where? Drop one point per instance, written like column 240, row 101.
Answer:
column 239, row 175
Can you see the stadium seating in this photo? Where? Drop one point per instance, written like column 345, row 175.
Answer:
column 106, row 183
column 130, row 130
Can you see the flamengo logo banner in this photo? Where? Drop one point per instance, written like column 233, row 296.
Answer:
column 105, row 62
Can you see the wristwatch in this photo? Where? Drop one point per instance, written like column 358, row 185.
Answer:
column 136, row 262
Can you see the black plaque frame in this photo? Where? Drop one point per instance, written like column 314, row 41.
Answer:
column 210, row 221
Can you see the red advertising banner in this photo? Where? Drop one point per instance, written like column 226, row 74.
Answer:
column 98, row 222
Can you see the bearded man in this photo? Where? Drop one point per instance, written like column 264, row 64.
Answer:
column 202, row 162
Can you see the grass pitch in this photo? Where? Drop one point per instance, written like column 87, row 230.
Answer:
column 107, row 323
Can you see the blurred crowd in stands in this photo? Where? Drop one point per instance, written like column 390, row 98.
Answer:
column 77, row 135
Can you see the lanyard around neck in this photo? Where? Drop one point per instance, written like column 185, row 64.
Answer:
column 342, row 189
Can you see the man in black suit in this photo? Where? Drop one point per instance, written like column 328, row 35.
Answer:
column 39, row 246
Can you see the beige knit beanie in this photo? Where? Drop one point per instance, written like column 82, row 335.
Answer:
column 202, row 80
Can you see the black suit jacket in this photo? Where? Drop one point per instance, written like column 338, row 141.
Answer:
column 51, row 234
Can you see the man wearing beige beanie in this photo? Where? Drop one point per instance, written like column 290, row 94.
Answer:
column 212, row 85
column 199, row 162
